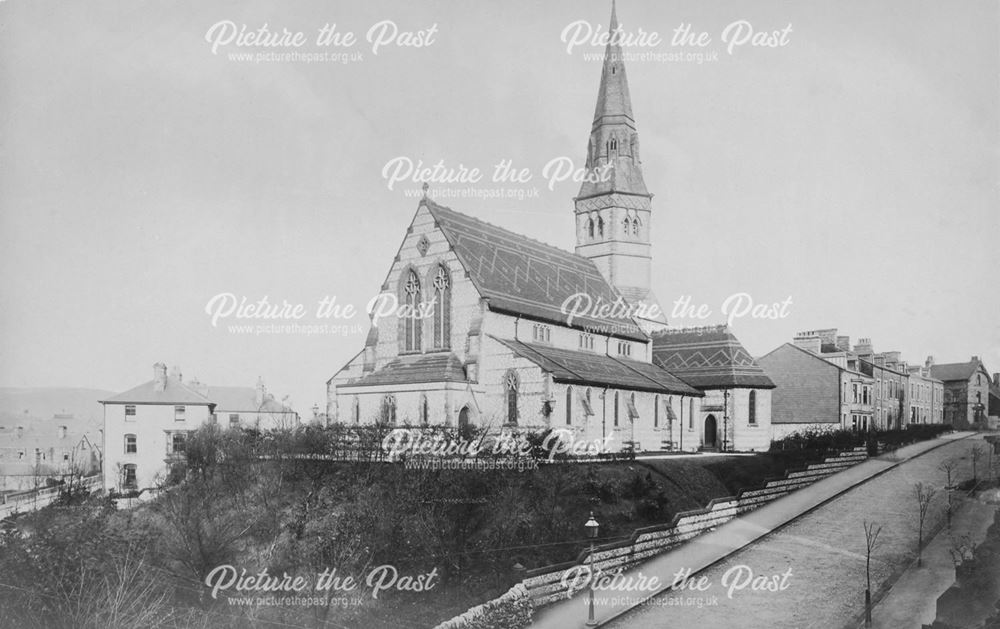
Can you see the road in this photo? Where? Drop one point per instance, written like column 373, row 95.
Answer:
column 817, row 562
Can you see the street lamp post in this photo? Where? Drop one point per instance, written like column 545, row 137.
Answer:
column 591, row 527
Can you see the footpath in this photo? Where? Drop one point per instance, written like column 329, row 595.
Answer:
column 912, row 600
column 709, row 548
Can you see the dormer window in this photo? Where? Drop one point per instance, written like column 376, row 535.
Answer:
column 541, row 333
column 624, row 348
column 586, row 341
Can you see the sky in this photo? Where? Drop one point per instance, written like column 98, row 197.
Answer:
column 851, row 168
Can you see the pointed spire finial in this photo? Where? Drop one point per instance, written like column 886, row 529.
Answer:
column 426, row 187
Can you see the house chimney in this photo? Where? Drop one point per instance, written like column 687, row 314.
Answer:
column 929, row 362
column 259, row 396
column 864, row 346
column 844, row 343
column 159, row 377
column 810, row 343
column 975, row 359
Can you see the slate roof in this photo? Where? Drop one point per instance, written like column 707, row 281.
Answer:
column 520, row 275
column 709, row 358
column 601, row 370
column 954, row 371
column 175, row 392
column 408, row 369
column 614, row 108
column 243, row 399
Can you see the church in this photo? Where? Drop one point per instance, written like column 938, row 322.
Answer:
column 497, row 349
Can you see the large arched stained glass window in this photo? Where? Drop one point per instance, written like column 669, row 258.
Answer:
column 442, row 308
column 410, row 322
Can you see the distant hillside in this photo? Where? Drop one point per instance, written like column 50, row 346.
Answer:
column 34, row 404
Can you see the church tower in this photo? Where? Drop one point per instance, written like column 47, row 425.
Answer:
column 613, row 206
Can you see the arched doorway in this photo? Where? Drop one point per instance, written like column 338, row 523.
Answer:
column 464, row 427
column 711, row 427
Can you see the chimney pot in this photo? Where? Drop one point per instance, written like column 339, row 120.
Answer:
column 259, row 394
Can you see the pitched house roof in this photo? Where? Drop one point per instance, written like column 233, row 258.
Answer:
column 954, row 371
column 708, row 359
column 519, row 275
column 601, row 370
column 243, row 399
column 174, row 392
column 414, row 368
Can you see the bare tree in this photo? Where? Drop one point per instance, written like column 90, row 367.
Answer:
column 871, row 542
column 924, row 495
column 976, row 452
column 948, row 466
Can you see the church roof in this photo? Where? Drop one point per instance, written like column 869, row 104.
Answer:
column 523, row 276
column 415, row 368
column 709, row 358
column 598, row 369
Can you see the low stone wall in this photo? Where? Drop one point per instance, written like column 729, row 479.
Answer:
column 542, row 585
column 512, row 609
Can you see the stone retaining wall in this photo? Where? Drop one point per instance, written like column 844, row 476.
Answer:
column 542, row 585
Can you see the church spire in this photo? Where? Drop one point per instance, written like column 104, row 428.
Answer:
column 613, row 100
column 613, row 208
column 614, row 143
